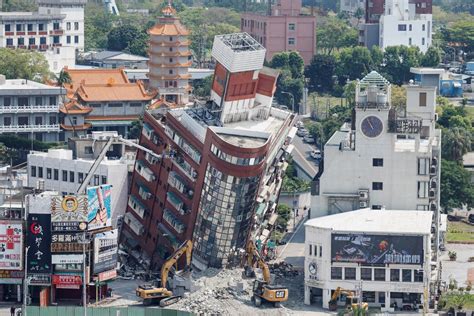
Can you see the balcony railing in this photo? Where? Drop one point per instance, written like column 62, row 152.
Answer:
column 30, row 109
column 177, row 203
column 29, row 128
column 137, row 206
column 177, row 182
column 144, row 192
column 56, row 32
column 134, row 224
column 185, row 167
column 173, row 221
column 144, row 171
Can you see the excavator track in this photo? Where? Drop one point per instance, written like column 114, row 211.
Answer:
column 169, row 300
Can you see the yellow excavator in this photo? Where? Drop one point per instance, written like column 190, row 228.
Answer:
column 352, row 300
column 151, row 294
column 262, row 289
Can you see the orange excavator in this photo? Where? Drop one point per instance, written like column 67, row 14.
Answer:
column 151, row 294
column 262, row 289
column 351, row 300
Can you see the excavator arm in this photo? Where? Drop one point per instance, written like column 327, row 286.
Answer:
column 340, row 291
column 252, row 254
column 186, row 247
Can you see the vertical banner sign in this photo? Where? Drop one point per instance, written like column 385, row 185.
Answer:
column 69, row 213
column 11, row 245
column 99, row 199
column 105, row 251
column 39, row 243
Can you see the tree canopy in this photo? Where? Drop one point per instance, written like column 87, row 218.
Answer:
column 456, row 187
column 290, row 83
column 23, row 64
column 334, row 34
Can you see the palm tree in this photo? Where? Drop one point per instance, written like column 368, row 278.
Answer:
column 65, row 78
column 456, row 142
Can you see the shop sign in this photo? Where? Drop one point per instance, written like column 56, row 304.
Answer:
column 105, row 251
column 67, row 259
column 39, row 279
column 69, row 208
column 39, row 243
column 11, row 245
column 377, row 249
column 64, row 237
column 10, row 281
column 106, row 275
column 67, row 281
column 11, row 274
column 66, row 247
column 99, row 199
column 68, row 226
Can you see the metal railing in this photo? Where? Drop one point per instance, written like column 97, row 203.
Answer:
column 29, row 128
column 30, row 109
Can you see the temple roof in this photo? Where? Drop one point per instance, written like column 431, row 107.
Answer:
column 114, row 92
column 171, row 29
column 73, row 107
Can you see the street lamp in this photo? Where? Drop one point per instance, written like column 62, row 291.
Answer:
column 26, row 282
column 84, row 241
column 292, row 99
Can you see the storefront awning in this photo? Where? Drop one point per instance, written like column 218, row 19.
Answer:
column 273, row 219
column 260, row 209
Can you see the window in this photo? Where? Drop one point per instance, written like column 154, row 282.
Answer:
column 68, row 26
column 115, row 105
column 423, row 188
column 64, row 175
column 291, row 26
column 395, row 275
column 95, row 105
column 7, row 101
column 310, row 249
column 366, row 274
column 291, row 41
column 76, row 39
column 423, row 27
column 52, row 100
column 74, row 120
column 320, row 251
column 76, row 26
column 422, row 207
column 422, row 43
column 409, row 41
column 410, row 27
column 38, row 120
column 96, row 180
column 55, row 39
column 8, row 28
column 19, row 27
column 71, row 176
column 68, row 39
column 80, row 177
column 43, row 40
column 422, row 98
column 48, row 173
column 402, row 27
column 171, row 38
column 336, row 273
column 88, row 150
column 171, row 60
column 104, row 180
column 135, row 104
column 170, row 71
column 377, row 186
column 377, row 162
column 21, row 41
column 23, row 101
column 379, row 274
column 423, row 166
column 7, row 121
column 23, row 120
column 56, row 174
column 33, row 171
column 9, row 41
column 30, row 27
column 40, row 27
column 349, row 273
column 368, row 297
column 55, row 26
column 40, row 172
column 406, row 275
column 52, row 120
column 418, row 276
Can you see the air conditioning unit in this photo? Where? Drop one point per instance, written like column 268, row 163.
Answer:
column 433, row 169
column 433, row 206
column 363, row 195
column 362, row 204
column 432, row 193
column 433, row 184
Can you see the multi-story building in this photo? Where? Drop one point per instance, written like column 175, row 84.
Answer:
column 222, row 163
column 383, row 256
column 56, row 30
column 283, row 28
column 170, row 58
column 104, row 100
column 30, row 109
column 384, row 149
column 63, row 170
column 397, row 22
column 351, row 6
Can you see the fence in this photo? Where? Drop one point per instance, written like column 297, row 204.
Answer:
column 102, row 311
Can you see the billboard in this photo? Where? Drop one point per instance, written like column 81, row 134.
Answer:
column 67, row 281
column 69, row 213
column 99, row 206
column 376, row 249
column 11, row 245
column 105, row 251
column 39, row 243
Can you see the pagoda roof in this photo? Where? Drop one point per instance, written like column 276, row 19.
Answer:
column 73, row 107
column 162, row 103
column 375, row 78
column 171, row 29
column 114, row 92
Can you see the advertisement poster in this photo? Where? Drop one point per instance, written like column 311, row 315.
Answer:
column 99, row 206
column 376, row 249
column 69, row 208
column 39, row 243
column 38, row 203
column 11, row 245
column 67, row 281
column 105, row 251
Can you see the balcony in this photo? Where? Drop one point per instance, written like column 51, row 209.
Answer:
column 165, row 232
column 173, row 221
column 29, row 128
column 178, row 183
column 31, row 33
column 21, row 47
column 144, row 171
column 20, row 33
column 57, row 44
column 177, row 203
column 30, row 109
column 144, row 193
column 184, row 167
column 9, row 33
column 147, row 131
column 137, row 206
column 134, row 224
column 33, row 47
column 43, row 47
column 56, row 32
column 184, row 145
column 151, row 159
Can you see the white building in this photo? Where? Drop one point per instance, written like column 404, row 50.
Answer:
column 401, row 25
column 351, row 6
column 63, row 170
column 383, row 256
column 386, row 158
column 56, row 30
column 30, row 109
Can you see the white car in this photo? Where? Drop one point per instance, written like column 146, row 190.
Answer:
column 299, row 124
column 309, row 139
column 302, row 132
column 316, row 154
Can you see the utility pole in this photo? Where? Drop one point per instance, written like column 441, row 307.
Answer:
column 25, row 283
column 84, row 281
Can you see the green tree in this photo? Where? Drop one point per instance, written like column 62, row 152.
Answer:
column 456, row 187
column 398, row 61
column 97, row 24
column 320, row 72
column 334, row 34
column 399, row 97
column 431, row 58
column 353, row 63
column 23, row 64
column 19, row 5
column 202, row 88
column 290, row 83
column 127, row 37
column 376, row 55
column 462, row 33
column 456, row 143
column 136, row 129
column 63, row 78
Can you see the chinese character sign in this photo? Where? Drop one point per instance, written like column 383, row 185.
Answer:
column 69, row 208
column 11, row 245
column 39, row 243
column 99, row 206
column 105, row 251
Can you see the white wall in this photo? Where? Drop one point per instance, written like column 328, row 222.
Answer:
column 391, row 36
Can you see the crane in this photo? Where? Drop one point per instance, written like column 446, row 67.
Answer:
column 262, row 289
column 351, row 300
column 150, row 294
column 111, row 139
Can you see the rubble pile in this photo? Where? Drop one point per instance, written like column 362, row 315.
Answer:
column 283, row 269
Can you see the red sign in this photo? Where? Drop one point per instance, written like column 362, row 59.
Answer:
column 107, row 275
column 67, row 281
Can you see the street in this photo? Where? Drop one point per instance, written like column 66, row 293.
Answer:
column 301, row 156
column 458, row 269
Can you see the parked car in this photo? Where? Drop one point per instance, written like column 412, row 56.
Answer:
column 309, row 139
column 299, row 125
column 316, row 154
column 302, row 132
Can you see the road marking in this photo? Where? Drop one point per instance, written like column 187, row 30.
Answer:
column 305, row 160
column 291, row 238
